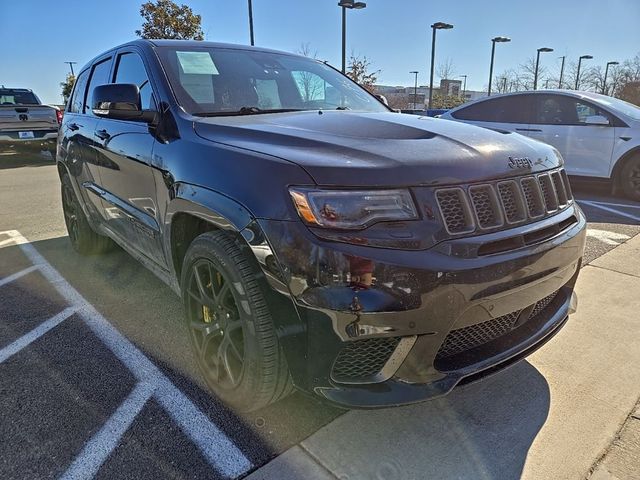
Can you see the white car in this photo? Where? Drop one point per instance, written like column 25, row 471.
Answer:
column 598, row 136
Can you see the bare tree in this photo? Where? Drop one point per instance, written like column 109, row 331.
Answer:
column 359, row 72
column 507, row 81
column 627, row 80
column 593, row 79
column 312, row 85
column 446, row 69
column 527, row 71
column 305, row 49
column 397, row 101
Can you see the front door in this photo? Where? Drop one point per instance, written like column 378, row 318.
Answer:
column 129, row 188
column 561, row 121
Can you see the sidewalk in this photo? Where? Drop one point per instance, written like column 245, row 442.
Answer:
column 554, row 415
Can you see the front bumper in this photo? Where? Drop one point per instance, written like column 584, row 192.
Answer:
column 418, row 298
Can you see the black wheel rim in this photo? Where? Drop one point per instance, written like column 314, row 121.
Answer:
column 215, row 325
column 634, row 177
column 70, row 213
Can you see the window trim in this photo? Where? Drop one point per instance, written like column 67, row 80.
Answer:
column 525, row 96
column 94, row 64
column 73, row 92
column 132, row 49
column 614, row 121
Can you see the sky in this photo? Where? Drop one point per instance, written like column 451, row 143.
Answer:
column 38, row 36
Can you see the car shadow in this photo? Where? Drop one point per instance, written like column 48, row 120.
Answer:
column 17, row 160
column 150, row 315
column 480, row 431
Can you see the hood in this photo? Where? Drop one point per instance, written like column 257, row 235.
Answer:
column 380, row 149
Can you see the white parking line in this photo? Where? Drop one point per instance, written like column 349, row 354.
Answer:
column 35, row 334
column 17, row 275
column 96, row 451
column 609, row 209
column 613, row 204
column 216, row 447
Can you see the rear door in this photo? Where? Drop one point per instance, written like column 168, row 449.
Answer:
column 560, row 121
column 79, row 128
column 125, row 148
column 511, row 113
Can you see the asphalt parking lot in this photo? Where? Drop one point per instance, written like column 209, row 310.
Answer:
column 97, row 375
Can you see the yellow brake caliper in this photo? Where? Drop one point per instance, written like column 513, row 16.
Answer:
column 207, row 314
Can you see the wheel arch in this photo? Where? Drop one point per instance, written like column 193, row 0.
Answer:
column 195, row 210
column 625, row 157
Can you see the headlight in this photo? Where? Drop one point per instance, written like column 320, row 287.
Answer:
column 352, row 209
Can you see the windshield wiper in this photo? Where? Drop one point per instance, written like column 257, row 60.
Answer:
column 343, row 108
column 246, row 111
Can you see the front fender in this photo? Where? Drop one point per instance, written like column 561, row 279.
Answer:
column 224, row 213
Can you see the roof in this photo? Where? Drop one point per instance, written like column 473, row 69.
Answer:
column 573, row 93
column 153, row 43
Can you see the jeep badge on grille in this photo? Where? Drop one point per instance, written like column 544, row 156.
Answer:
column 520, row 162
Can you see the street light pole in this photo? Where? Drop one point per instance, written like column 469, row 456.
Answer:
column 606, row 72
column 583, row 57
column 251, row 23
column 344, row 39
column 415, row 88
column 561, row 71
column 493, row 54
column 434, row 27
column 535, row 76
column 351, row 5
column 464, row 88
column 71, row 64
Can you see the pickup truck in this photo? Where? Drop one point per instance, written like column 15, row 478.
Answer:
column 26, row 125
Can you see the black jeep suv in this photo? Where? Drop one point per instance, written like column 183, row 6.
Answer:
column 317, row 238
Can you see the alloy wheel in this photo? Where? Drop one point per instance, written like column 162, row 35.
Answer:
column 70, row 213
column 634, row 178
column 215, row 324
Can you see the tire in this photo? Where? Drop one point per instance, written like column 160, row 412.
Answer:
column 230, row 326
column 83, row 239
column 629, row 178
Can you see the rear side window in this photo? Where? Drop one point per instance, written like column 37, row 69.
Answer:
column 99, row 76
column 512, row 109
column 563, row 110
column 77, row 99
column 131, row 69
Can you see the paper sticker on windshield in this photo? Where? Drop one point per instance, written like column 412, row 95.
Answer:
column 197, row 62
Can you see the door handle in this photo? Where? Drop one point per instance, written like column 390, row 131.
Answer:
column 102, row 134
column 528, row 130
column 73, row 127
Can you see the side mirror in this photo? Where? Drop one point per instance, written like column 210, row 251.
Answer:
column 596, row 120
column 383, row 99
column 120, row 101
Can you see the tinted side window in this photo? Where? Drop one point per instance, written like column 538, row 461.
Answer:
column 513, row 109
column 77, row 99
column 99, row 76
column 131, row 69
column 561, row 110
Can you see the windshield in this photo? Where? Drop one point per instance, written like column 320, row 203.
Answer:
column 17, row 97
column 626, row 108
column 222, row 81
